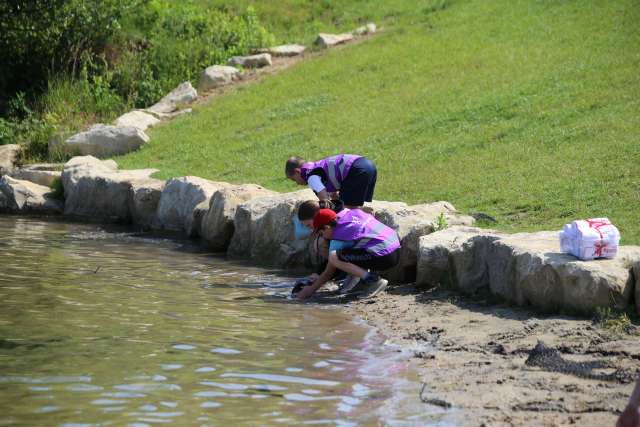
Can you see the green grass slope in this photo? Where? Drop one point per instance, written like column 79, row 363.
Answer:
column 526, row 110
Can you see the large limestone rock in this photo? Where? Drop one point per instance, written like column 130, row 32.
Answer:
column 96, row 190
column 251, row 61
column 433, row 254
column 183, row 94
column 412, row 222
column 20, row 196
column 137, row 119
column 183, row 203
column 284, row 50
column 264, row 230
column 527, row 269
column 105, row 141
column 144, row 198
column 8, row 155
column 41, row 174
column 217, row 225
column 216, row 76
column 330, row 40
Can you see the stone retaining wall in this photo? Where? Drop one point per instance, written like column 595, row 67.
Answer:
column 251, row 222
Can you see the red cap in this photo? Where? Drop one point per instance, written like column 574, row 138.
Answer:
column 323, row 217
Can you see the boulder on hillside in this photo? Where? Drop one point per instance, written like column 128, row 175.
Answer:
column 8, row 156
column 183, row 94
column 251, row 61
column 169, row 116
column 96, row 190
column 285, row 50
column 370, row 28
column 105, row 141
column 330, row 40
column 216, row 76
column 137, row 119
column 19, row 196
column 217, row 225
column 412, row 222
column 40, row 173
column 182, row 203
column 264, row 230
column 527, row 269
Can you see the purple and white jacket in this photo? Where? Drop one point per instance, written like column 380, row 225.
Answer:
column 335, row 169
column 367, row 232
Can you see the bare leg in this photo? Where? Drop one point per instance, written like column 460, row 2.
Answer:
column 346, row 266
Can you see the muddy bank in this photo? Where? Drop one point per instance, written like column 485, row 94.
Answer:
column 472, row 355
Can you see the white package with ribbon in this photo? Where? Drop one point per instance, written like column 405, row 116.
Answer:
column 591, row 238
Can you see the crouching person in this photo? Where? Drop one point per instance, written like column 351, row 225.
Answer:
column 365, row 244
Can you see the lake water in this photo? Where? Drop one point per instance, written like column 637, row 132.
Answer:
column 110, row 327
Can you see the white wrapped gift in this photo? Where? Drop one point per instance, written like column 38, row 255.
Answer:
column 590, row 238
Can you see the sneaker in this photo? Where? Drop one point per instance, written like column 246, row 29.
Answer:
column 374, row 288
column 348, row 284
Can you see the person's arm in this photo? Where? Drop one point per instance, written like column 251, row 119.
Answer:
column 307, row 291
column 630, row 417
column 315, row 183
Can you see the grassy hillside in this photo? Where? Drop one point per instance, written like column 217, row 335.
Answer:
column 525, row 110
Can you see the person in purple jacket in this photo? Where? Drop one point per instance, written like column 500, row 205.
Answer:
column 347, row 177
column 367, row 244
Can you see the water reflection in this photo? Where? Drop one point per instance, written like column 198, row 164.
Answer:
column 106, row 326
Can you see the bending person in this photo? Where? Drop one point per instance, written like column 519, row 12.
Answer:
column 367, row 244
column 349, row 177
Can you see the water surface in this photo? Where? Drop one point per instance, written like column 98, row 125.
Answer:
column 110, row 327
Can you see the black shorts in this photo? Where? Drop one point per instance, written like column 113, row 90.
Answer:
column 358, row 185
column 364, row 259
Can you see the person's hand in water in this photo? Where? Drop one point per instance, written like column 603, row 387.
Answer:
column 305, row 293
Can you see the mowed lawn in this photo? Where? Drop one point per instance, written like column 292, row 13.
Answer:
column 528, row 111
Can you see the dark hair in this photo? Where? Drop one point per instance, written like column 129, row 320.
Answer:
column 309, row 208
column 292, row 164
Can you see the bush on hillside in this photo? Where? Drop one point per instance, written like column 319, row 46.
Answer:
column 81, row 61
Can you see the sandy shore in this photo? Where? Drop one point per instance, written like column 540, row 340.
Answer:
column 472, row 354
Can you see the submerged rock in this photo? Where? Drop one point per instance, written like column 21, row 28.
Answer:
column 527, row 269
column 19, row 196
column 183, row 203
column 264, row 230
column 217, row 225
column 96, row 190
column 251, row 61
column 8, row 155
column 216, row 76
column 104, row 141
column 137, row 119
column 183, row 94
column 330, row 40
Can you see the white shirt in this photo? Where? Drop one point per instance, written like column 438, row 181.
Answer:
column 315, row 183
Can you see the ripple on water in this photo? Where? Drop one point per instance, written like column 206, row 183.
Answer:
column 282, row 378
column 223, row 350
column 206, row 369
column 184, row 347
